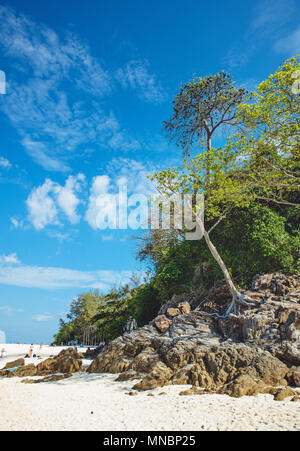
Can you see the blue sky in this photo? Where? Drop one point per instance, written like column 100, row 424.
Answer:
column 88, row 85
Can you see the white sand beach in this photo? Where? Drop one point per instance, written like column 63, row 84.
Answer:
column 95, row 402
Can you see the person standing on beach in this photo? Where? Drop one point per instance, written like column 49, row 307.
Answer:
column 30, row 351
column 3, row 351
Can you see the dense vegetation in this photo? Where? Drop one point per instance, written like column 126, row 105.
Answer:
column 259, row 231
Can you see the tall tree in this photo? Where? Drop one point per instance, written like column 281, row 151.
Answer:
column 270, row 140
column 202, row 109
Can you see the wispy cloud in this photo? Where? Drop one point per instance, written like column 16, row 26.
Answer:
column 269, row 22
column 8, row 310
column 108, row 237
column 289, row 45
column 48, row 278
column 43, row 317
column 55, row 70
column 270, row 15
column 136, row 75
column 9, row 259
column 5, row 163
column 16, row 223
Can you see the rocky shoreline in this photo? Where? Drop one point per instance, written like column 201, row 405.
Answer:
column 254, row 352
column 190, row 343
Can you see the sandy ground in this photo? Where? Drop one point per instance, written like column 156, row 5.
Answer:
column 95, row 402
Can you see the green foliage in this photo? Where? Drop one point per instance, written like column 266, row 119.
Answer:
column 107, row 313
column 65, row 333
column 201, row 107
column 251, row 240
column 144, row 304
column 82, row 310
column 270, row 140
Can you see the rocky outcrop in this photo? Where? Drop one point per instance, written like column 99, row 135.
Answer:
column 67, row 361
column 63, row 363
column 27, row 370
column 186, row 343
column 52, row 378
column 15, row 363
column 283, row 394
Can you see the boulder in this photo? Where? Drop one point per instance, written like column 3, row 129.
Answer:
column 145, row 361
column 53, row 378
column 66, row 361
column 296, row 378
column 243, row 385
column 158, row 377
column 162, row 323
column 289, row 353
column 6, row 373
column 184, row 308
column 15, row 363
column 284, row 393
column 27, row 370
column 46, row 366
column 195, row 391
column 225, row 363
column 68, row 365
column 293, row 376
column 172, row 312
column 127, row 376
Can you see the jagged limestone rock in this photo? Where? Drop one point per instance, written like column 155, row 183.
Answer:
column 242, row 354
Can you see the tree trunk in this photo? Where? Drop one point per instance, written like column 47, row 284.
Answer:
column 237, row 298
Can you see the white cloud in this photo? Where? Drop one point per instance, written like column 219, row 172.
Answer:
column 42, row 317
column 67, row 199
column 16, row 223
column 39, row 153
column 53, row 127
column 133, row 173
column 48, row 278
column 4, row 163
column 101, row 212
column 51, row 203
column 48, row 55
column 126, row 177
column 108, row 237
column 41, row 206
column 136, row 76
column 8, row 310
column 46, row 202
column 11, row 259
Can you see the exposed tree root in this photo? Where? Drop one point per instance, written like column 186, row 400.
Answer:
column 238, row 300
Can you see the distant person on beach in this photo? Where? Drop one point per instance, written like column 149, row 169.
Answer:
column 130, row 325
column 30, row 351
column 3, row 351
